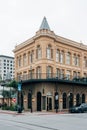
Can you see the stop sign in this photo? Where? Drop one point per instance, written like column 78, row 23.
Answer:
column 14, row 99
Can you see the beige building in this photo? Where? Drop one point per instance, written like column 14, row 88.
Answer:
column 52, row 70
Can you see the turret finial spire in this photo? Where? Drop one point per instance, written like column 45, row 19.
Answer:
column 44, row 24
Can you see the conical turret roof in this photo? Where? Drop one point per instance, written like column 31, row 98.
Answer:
column 44, row 24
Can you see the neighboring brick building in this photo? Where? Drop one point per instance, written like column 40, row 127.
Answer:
column 53, row 71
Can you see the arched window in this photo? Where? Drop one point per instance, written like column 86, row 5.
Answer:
column 85, row 62
column 57, row 55
column 24, row 59
column 76, row 60
column 85, row 75
column 78, row 74
column 68, row 57
column 61, row 57
column 68, row 74
column 61, row 75
column 49, row 52
column 38, row 72
column 25, row 75
column 57, row 72
column 31, row 56
column 19, row 61
column 74, row 74
column 49, row 72
column 38, row 52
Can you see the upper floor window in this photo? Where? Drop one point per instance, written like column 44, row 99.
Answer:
column 19, row 76
column 19, row 61
column 38, row 52
column 57, row 72
column 49, row 71
column 60, row 73
column 85, row 75
column 68, row 57
column 49, row 52
column 85, row 62
column 31, row 56
column 24, row 59
column 38, row 70
column 68, row 74
column 57, row 55
column 76, row 74
column 76, row 60
column 61, row 57
column 24, row 75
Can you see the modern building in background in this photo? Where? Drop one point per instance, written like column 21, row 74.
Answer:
column 6, row 67
column 52, row 71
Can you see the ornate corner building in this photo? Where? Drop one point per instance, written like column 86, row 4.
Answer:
column 52, row 71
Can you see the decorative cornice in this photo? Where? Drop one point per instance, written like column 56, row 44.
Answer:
column 51, row 34
column 22, row 45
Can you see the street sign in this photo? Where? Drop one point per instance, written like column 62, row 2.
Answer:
column 19, row 87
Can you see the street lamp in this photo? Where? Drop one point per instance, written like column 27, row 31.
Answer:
column 31, row 89
column 19, row 95
column 56, row 101
column 56, row 98
column 31, row 101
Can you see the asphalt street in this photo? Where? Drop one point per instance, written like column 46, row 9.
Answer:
column 42, row 121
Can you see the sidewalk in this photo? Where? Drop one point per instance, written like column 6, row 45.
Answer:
column 7, row 112
column 33, row 113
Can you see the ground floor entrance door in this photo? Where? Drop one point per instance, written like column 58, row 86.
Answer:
column 38, row 101
column 49, row 103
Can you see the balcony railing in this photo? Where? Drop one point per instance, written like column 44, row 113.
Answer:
column 50, row 76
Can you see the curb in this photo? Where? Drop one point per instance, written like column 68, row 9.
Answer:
column 33, row 113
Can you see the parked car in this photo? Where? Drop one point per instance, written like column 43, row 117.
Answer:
column 79, row 109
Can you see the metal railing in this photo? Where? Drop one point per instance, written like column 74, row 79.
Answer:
column 46, row 76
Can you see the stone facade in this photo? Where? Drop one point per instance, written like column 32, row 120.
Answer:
column 48, row 64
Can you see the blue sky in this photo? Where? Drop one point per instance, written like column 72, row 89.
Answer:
column 20, row 19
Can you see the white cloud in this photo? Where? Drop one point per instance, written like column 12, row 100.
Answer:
column 20, row 19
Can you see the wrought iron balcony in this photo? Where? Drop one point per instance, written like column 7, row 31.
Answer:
column 39, row 77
